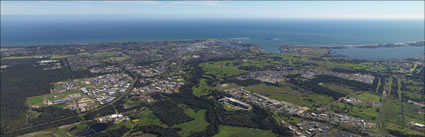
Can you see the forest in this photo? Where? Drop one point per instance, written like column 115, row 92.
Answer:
column 25, row 78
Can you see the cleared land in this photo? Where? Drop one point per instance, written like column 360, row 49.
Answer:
column 39, row 100
column 285, row 93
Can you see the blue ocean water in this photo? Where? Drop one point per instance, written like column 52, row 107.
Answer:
column 268, row 33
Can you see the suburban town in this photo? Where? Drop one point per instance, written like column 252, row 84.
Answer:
column 136, row 88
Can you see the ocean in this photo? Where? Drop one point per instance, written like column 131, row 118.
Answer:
column 268, row 33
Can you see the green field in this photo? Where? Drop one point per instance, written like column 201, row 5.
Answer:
column 366, row 109
column 221, row 69
column 18, row 57
column 146, row 118
column 367, row 97
column 414, row 113
column 290, row 119
column 28, row 57
column 393, row 118
column 230, row 67
column 344, row 89
column 78, row 128
column 229, row 131
column 83, row 54
column 202, row 89
column 60, row 56
column 368, row 112
column 31, row 114
column 126, row 124
column 53, row 132
column 107, row 54
column 286, row 93
column 197, row 125
column 228, row 86
column 149, row 135
column 38, row 100
column 116, row 59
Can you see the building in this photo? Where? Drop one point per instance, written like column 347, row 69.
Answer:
column 235, row 102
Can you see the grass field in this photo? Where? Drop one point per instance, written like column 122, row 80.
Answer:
column 229, row 131
column 290, row 119
column 146, row 118
column 116, row 59
column 414, row 113
column 285, row 93
column 107, row 54
column 221, row 69
column 77, row 128
column 149, row 135
column 197, row 125
column 368, row 98
column 53, row 132
column 83, row 54
column 202, row 89
column 392, row 118
column 60, row 56
column 366, row 109
column 28, row 57
column 126, row 124
column 226, row 86
column 344, row 89
column 38, row 100
column 19, row 57
column 31, row 114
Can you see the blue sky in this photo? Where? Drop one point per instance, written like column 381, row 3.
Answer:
column 222, row 9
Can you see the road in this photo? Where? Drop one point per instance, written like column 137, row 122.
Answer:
column 385, row 93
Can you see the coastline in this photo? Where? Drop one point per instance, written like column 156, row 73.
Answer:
column 237, row 42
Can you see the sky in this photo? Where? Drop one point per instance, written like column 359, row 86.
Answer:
column 223, row 9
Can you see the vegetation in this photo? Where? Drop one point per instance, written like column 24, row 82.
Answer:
column 169, row 113
column 18, row 57
column 116, row 59
column 49, row 132
column 347, row 90
column 290, row 119
column 221, row 69
column 393, row 119
column 36, row 56
column 146, row 118
column 197, row 125
column 23, row 80
column 76, row 128
column 38, row 100
column 286, row 93
column 229, row 131
column 194, row 110
column 107, row 54
column 60, row 56
column 202, row 89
